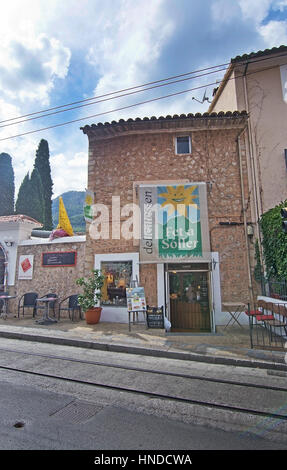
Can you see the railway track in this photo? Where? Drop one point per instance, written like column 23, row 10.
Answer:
column 155, row 377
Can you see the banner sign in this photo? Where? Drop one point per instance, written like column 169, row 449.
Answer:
column 174, row 223
column 25, row 267
column 88, row 205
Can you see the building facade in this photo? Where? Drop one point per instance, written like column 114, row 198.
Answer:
column 172, row 212
column 257, row 83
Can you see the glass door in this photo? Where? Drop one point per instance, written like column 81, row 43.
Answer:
column 189, row 301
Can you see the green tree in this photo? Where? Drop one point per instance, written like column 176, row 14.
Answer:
column 23, row 198
column 30, row 200
column 42, row 164
column 37, row 210
column 7, row 185
column 274, row 243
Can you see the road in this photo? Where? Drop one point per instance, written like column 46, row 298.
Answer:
column 67, row 398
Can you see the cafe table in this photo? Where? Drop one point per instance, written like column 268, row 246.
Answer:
column 46, row 320
column 234, row 309
column 6, row 299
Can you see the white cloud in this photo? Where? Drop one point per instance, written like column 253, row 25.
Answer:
column 28, row 68
column 127, row 43
column 223, row 11
column 69, row 172
column 274, row 33
column 130, row 45
column 254, row 9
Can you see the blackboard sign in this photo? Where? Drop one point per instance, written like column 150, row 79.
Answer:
column 59, row 258
column 155, row 318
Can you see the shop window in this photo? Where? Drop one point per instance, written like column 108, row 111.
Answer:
column 118, row 276
column 182, row 145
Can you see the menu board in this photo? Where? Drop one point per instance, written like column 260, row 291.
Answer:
column 59, row 258
column 135, row 299
column 155, row 318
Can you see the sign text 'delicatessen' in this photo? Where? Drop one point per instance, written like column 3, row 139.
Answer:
column 174, row 222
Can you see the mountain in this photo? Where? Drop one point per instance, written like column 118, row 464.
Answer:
column 73, row 201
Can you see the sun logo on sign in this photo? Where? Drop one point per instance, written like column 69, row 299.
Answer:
column 89, row 200
column 177, row 196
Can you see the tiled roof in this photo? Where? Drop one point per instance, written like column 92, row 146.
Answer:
column 19, row 218
column 253, row 55
column 189, row 116
column 239, row 61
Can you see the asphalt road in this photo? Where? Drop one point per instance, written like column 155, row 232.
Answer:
column 41, row 413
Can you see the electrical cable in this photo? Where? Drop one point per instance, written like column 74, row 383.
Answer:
column 108, row 99
column 136, row 87
column 133, row 105
column 120, row 91
column 108, row 112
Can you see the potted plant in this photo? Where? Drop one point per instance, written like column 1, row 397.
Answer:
column 89, row 299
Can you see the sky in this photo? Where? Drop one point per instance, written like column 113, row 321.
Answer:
column 58, row 52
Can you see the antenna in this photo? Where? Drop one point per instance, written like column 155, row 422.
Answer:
column 205, row 98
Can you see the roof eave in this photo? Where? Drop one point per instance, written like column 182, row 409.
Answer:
column 221, row 86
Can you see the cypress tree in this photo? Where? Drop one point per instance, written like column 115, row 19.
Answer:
column 23, row 198
column 7, row 185
column 37, row 208
column 30, row 200
column 42, row 163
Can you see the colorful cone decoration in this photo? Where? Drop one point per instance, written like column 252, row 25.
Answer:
column 64, row 221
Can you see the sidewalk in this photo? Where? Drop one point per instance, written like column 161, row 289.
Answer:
column 227, row 346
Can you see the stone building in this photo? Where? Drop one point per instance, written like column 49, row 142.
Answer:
column 172, row 212
column 22, row 260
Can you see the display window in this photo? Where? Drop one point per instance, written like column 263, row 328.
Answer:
column 118, row 276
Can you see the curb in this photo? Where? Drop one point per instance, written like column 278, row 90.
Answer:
column 172, row 354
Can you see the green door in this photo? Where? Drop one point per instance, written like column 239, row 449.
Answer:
column 189, row 301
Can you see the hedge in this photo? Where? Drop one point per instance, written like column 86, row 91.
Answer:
column 274, row 243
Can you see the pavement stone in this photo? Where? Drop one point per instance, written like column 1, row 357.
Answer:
column 229, row 346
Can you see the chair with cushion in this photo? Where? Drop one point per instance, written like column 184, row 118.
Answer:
column 52, row 304
column 71, row 306
column 27, row 300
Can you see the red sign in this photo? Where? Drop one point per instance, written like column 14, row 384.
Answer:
column 26, row 265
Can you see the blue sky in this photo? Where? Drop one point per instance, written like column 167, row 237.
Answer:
column 60, row 51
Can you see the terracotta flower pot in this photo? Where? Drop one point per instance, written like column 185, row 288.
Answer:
column 93, row 315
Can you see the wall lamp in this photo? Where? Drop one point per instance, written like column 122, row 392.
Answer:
column 9, row 241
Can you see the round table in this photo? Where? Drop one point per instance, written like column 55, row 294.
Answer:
column 46, row 320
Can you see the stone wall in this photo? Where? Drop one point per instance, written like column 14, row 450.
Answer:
column 119, row 159
column 61, row 280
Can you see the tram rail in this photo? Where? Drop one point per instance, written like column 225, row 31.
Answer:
column 150, row 394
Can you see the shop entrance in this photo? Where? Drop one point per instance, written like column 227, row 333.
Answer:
column 189, row 298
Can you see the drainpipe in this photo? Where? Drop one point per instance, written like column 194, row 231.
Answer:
column 244, row 218
column 257, row 199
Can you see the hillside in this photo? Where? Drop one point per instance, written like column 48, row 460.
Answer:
column 73, row 201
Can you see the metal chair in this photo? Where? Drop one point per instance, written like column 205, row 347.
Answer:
column 51, row 304
column 71, row 307
column 29, row 301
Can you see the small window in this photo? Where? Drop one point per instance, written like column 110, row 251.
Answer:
column 183, row 145
column 118, row 275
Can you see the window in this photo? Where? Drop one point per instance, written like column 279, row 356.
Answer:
column 118, row 275
column 183, row 145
